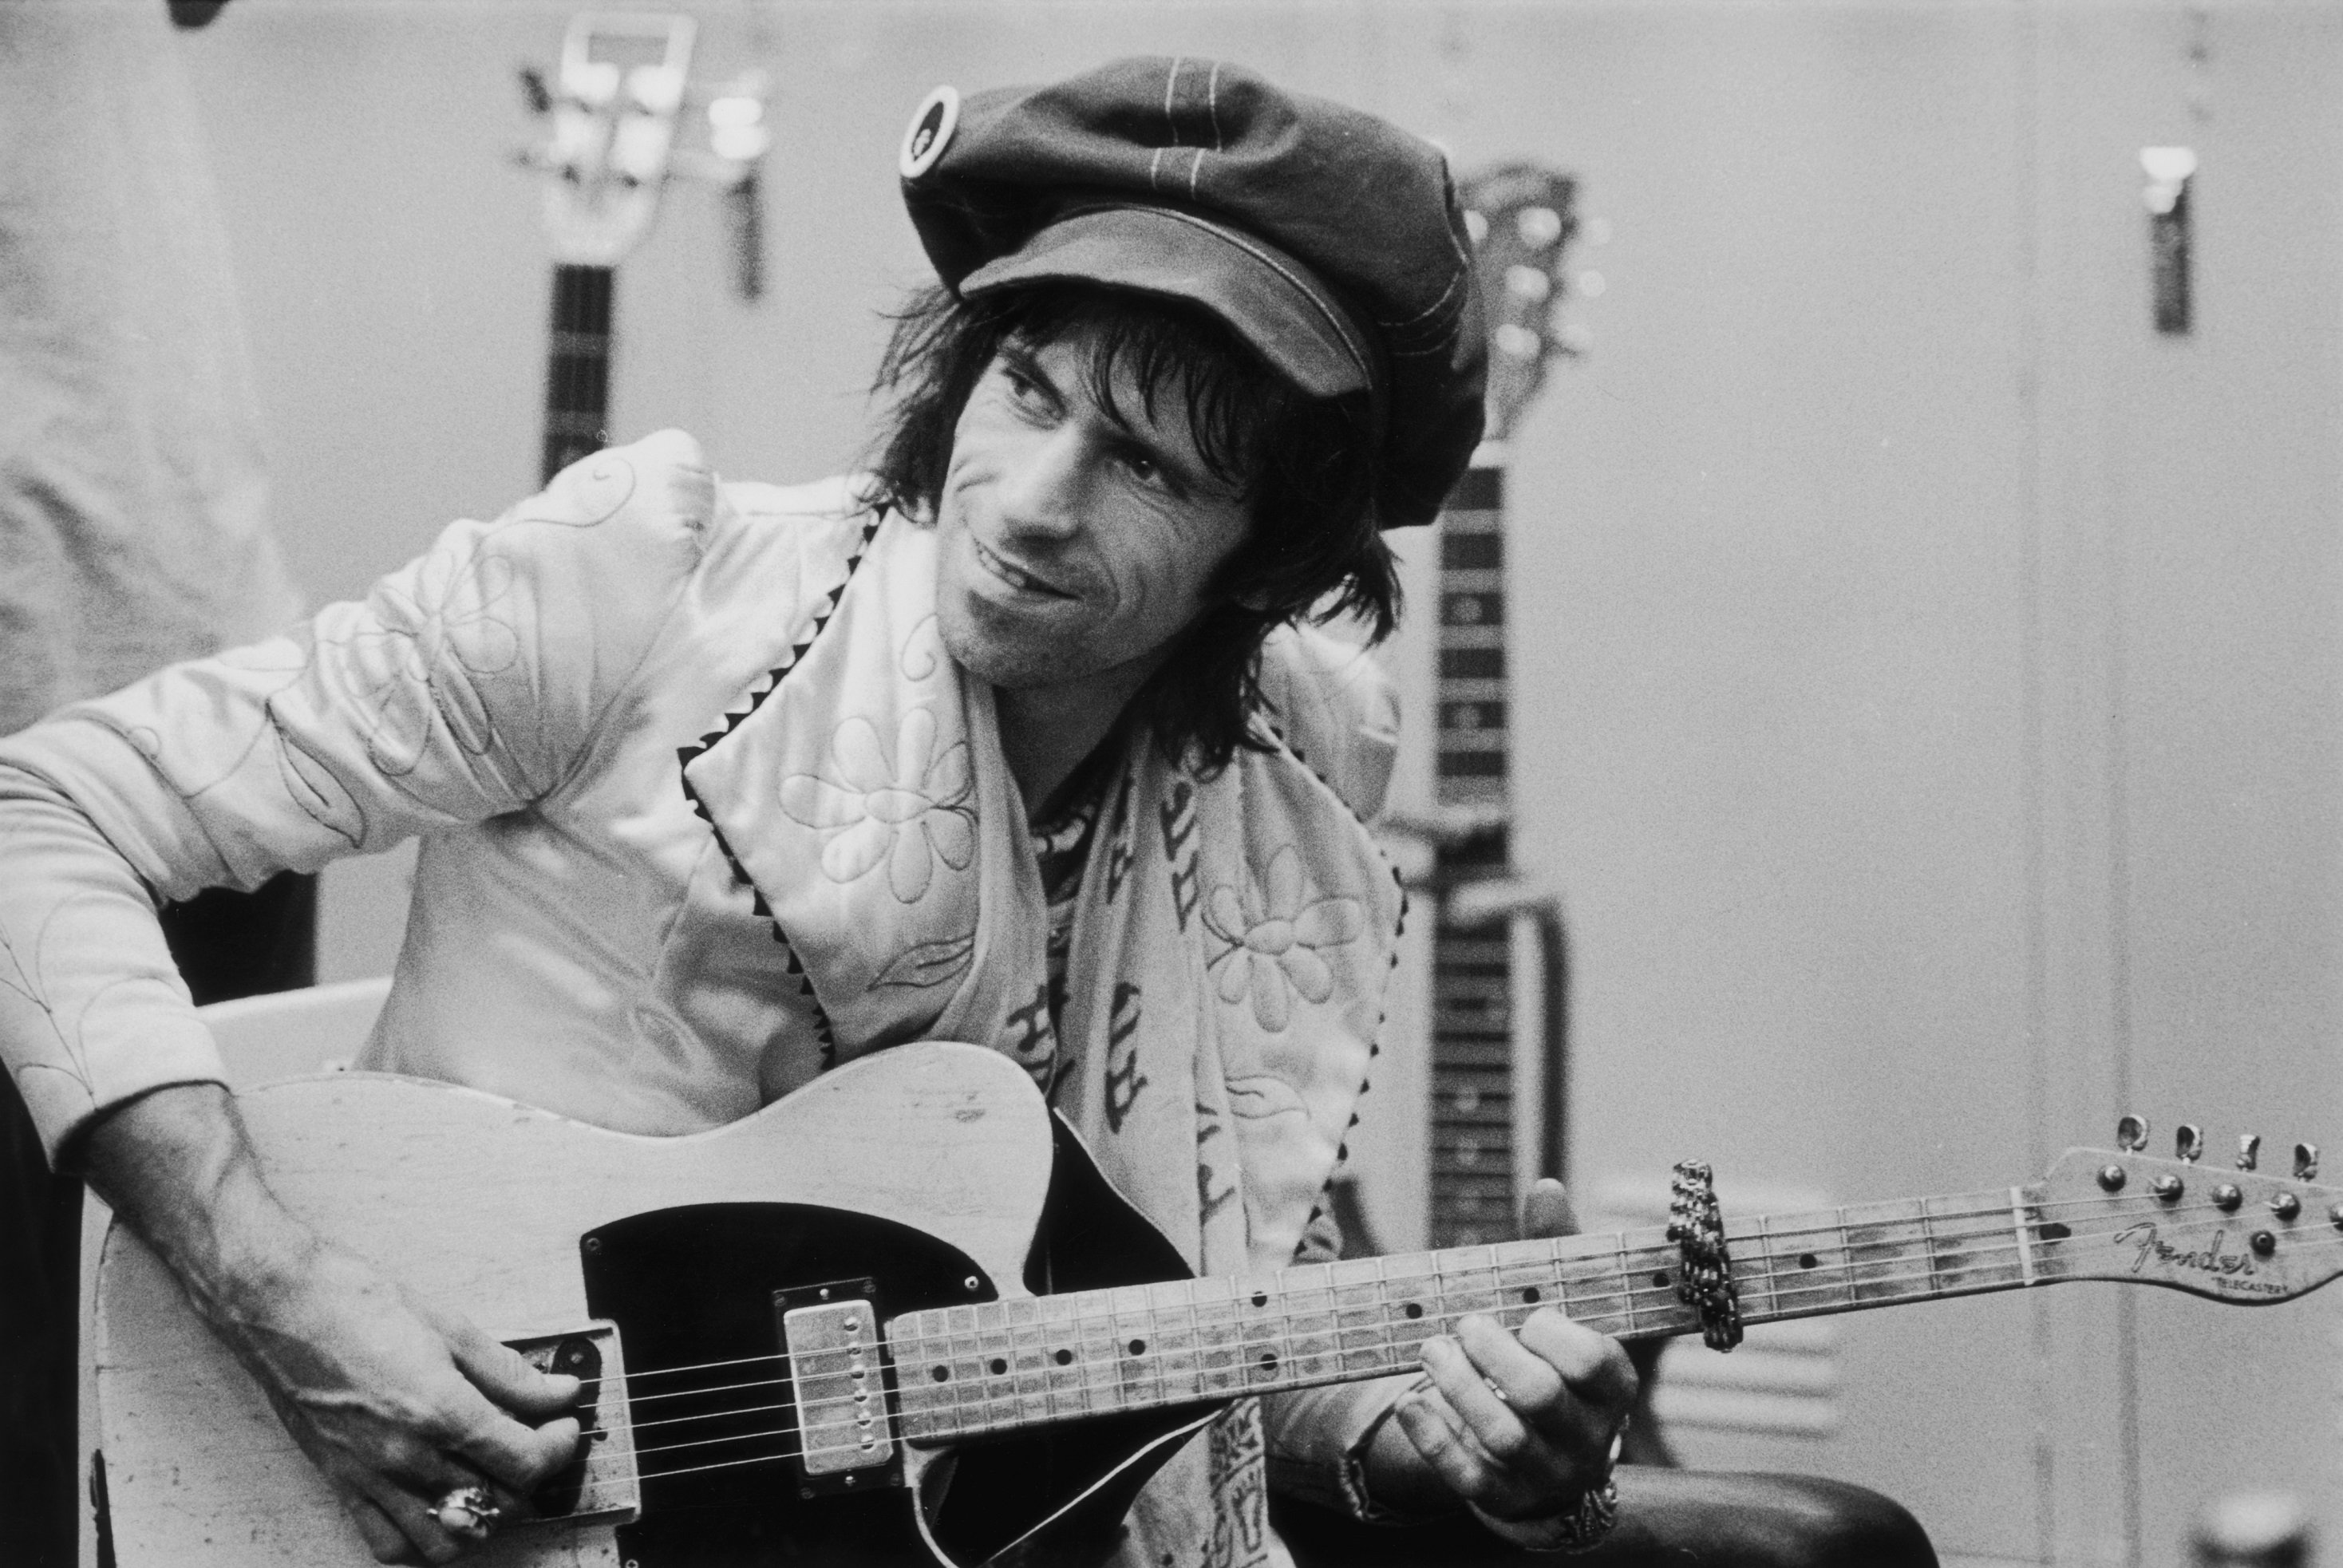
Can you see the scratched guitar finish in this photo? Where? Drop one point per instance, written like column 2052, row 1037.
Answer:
column 805, row 1342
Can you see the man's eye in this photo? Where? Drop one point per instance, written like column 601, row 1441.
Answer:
column 1143, row 467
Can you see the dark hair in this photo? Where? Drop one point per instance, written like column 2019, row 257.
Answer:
column 1305, row 468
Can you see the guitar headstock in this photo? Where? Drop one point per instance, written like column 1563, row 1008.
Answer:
column 2232, row 1234
column 1522, row 221
column 614, row 112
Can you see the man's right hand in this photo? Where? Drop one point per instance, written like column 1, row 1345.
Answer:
column 397, row 1401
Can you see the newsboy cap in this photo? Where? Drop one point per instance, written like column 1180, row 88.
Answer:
column 1330, row 240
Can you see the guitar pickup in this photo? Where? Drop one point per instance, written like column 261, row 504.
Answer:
column 603, row 1485
column 831, row 1336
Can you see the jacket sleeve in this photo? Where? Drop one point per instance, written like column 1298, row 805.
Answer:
column 466, row 685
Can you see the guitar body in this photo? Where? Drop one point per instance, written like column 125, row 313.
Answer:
column 923, row 1174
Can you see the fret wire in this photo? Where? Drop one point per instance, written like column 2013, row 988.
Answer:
column 1304, row 1379
column 1289, row 1379
column 2017, row 1224
column 1996, row 1263
column 1846, row 1252
column 1840, row 1278
column 1771, row 1253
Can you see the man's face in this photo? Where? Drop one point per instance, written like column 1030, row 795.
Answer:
column 1073, row 549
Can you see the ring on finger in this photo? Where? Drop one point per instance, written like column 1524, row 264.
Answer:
column 468, row 1514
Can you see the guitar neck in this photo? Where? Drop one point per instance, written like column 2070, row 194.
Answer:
column 965, row 1371
column 577, row 366
column 1470, row 1177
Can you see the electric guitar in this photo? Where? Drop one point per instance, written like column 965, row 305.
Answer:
column 815, row 1334
column 613, row 110
column 1522, row 220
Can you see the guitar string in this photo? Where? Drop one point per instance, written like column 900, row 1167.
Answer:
column 1843, row 1286
column 1602, row 1268
column 1763, row 1277
column 1048, row 1418
column 1081, row 1389
column 1073, row 1381
column 1604, row 1263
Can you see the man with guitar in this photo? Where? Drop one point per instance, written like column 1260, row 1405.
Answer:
column 1018, row 739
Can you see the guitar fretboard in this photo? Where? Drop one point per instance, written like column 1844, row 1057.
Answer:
column 577, row 366
column 963, row 1371
column 1471, row 1173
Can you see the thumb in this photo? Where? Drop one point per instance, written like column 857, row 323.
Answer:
column 1546, row 1211
column 503, row 1374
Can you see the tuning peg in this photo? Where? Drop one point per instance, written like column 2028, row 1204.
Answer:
column 2131, row 1134
column 2306, row 1162
column 2188, row 1143
column 1539, row 227
column 2249, row 1152
column 1527, row 282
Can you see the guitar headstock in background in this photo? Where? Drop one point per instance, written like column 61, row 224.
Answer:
column 615, row 111
column 1522, row 221
column 2233, row 1234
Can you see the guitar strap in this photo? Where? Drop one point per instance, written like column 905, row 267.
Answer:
column 1232, row 935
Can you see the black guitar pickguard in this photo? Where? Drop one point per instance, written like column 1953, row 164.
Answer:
column 691, row 1289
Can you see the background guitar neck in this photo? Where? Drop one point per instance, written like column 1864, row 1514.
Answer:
column 1519, row 217
column 1472, row 1165
column 577, row 365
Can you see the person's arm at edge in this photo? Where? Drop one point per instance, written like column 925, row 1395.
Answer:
column 396, row 1401
column 408, row 1380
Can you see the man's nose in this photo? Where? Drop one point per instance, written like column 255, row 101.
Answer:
column 1042, row 486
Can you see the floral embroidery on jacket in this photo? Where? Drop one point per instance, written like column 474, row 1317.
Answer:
column 909, row 812
column 1274, row 936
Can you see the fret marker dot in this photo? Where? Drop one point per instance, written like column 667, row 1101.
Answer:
column 940, row 1373
column 1261, row 1298
column 1415, row 1309
column 1065, row 1356
column 999, row 1366
column 1661, row 1278
column 1139, row 1347
column 1808, row 1261
column 1531, row 1295
column 1269, row 1361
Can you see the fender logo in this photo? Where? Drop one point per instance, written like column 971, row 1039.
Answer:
column 2230, row 1270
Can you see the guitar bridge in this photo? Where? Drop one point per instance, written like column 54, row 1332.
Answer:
column 603, row 1485
column 831, row 1336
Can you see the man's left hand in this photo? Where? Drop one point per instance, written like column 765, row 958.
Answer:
column 1518, row 1424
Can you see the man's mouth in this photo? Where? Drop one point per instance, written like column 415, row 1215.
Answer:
column 1017, row 576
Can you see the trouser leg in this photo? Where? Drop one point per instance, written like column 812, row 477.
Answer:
column 40, row 1237
column 1667, row 1519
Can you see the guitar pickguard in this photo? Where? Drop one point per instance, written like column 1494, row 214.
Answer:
column 692, row 1289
